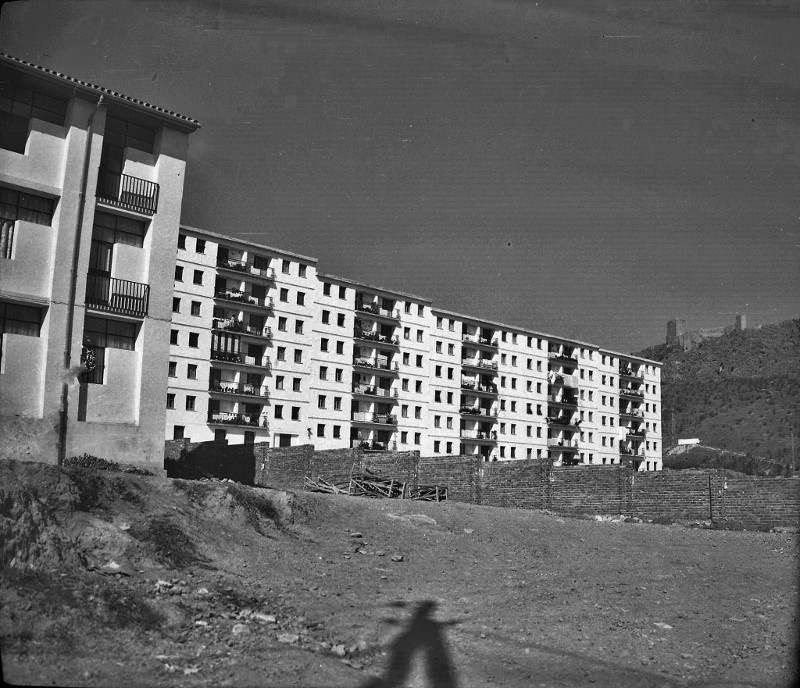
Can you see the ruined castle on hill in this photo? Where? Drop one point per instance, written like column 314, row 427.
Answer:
column 678, row 336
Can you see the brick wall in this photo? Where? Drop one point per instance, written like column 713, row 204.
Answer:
column 755, row 503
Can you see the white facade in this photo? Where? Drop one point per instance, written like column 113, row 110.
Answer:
column 286, row 355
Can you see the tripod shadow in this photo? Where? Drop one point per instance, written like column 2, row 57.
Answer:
column 425, row 635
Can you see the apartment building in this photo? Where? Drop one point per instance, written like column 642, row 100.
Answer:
column 265, row 348
column 91, row 183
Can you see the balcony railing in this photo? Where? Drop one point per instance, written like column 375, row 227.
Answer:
column 477, row 411
column 569, row 401
column 246, row 268
column 624, row 451
column 476, row 387
column 479, row 363
column 636, row 434
column 241, row 359
column 381, row 418
column 566, row 445
column 627, row 371
column 627, row 392
column 234, row 325
column 127, row 192
column 372, row 390
column 367, row 445
column 377, row 310
column 239, row 296
column 562, row 421
column 245, row 388
column 557, row 379
column 478, row 435
column 477, row 339
column 237, row 419
column 556, row 356
column 371, row 336
column 117, row 295
column 379, row 364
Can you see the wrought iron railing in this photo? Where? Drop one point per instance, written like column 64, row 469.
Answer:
column 377, row 310
column 238, row 388
column 372, row 390
column 382, row 418
column 117, row 295
column 127, row 191
column 242, row 359
column 246, row 267
column 238, row 296
column 238, row 419
column 234, row 325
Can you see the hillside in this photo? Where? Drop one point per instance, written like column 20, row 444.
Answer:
column 120, row 579
column 739, row 392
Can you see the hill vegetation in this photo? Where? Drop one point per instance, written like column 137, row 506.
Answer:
column 739, row 393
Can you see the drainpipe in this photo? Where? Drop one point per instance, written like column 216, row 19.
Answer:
column 73, row 285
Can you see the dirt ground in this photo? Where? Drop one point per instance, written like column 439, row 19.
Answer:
column 117, row 579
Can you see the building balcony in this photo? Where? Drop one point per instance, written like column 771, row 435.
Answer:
column 237, row 326
column 238, row 389
column 562, row 358
column 559, row 380
column 478, row 388
column 561, row 422
column 562, row 401
column 563, row 445
column 251, row 421
column 369, row 336
column 629, row 373
column 478, row 435
column 117, row 296
column 480, row 341
column 373, row 391
column 241, row 267
column 367, row 445
column 631, row 415
column 635, row 435
column 127, row 192
column 378, row 364
column 481, row 363
column 374, row 418
column 636, row 453
column 477, row 411
column 260, row 362
column 374, row 309
column 238, row 296
column 631, row 393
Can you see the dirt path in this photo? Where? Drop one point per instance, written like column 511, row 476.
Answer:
column 264, row 588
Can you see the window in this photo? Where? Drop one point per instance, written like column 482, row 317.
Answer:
column 502, row 380
column 417, row 435
column 418, row 412
column 281, row 353
column 191, row 371
column 530, row 409
column 503, row 336
column 437, row 421
column 102, row 333
column 528, row 431
column 177, row 432
column 513, row 452
column 182, row 241
column 420, row 313
column 403, row 437
column 502, row 452
column 337, row 403
column 502, row 359
column 419, row 335
column 190, row 403
column 172, row 369
column 502, row 428
column 320, row 430
column 301, row 270
column 339, row 347
column 195, row 308
column 407, row 307
column 513, row 383
column 337, row 375
column 301, row 298
column 28, row 207
column 326, row 316
column 326, row 288
column 451, row 350
column 404, row 384
column 438, row 371
column 323, row 344
column 278, row 412
column 298, row 327
column 538, row 366
column 18, row 106
column 436, row 445
column 198, row 277
column 449, row 446
column 176, row 304
column 439, row 323
column 449, row 373
column 513, row 339
column 419, row 360
column 323, row 372
column 513, row 407
column 194, row 339
column 538, row 409
column 514, row 360
column 406, row 333
column 449, row 397
column 451, row 325
column 200, row 246
column 285, row 267
column 296, row 384
column 418, row 386
column 337, row 431
column 538, row 387
column 404, row 411
column 298, row 355
column 340, row 319
column 170, row 401
column 179, row 273
column 295, row 413
column 449, row 423
column 539, row 433
column 406, row 358
column 342, row 292
column 281, row 324
column 321, row 401
column 279, row 381
column 284, row 294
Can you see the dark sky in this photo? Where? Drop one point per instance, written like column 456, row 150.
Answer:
column 589, row 169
